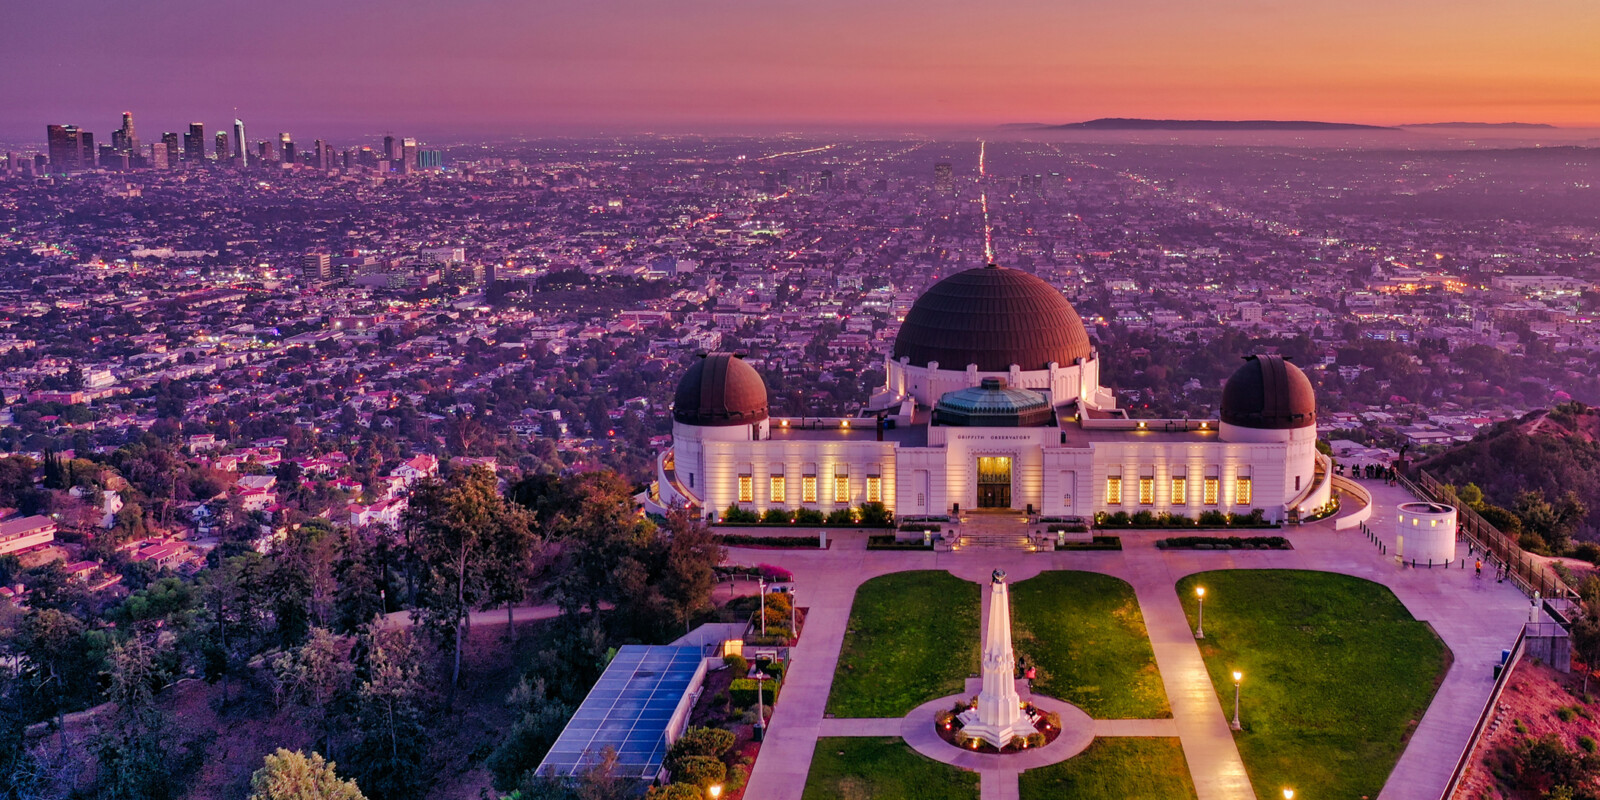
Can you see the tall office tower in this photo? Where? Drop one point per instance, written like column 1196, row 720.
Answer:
column 66, row 148
column 390, row 149
column 123, row 139
column 366, row 157
column 158, row 156
column 408, row 155
column 266, row 152
column 194, row 143
column 169, row 140
column 943, row 177
column 320, row 154
column 241, row 145
column 430, row 159
column 222, row 150
column 112, row 158
column 349, row 159
column 286, row 148
column 826, row 180
column 11, row 164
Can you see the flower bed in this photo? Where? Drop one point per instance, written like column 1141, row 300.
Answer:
column 1046, row 724
column 1099, row 543
column 1207, row 519
column 770, row 542
column 887, row 541
column 1225, row 543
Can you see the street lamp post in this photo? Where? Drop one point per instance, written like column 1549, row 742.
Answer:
column 1237, row 679
column 761, row 588
column 794, row 619
column 761, row 711
column 1200, row 616
column 715, row 791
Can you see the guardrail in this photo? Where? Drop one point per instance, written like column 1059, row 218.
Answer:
column 1483, row 718
column 1350, row 488
column 1526, row 573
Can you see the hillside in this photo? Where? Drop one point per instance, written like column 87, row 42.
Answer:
column 1551, row 452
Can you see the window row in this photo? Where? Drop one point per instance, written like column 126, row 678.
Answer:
column 778, row 489
column 1210, row 489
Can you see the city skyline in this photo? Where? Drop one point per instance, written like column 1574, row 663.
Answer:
column 500, row 68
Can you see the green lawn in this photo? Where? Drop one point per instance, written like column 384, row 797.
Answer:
column 1085, row 633
column 1336, row 675
column 1114, row 769
column 883, row 769
column 913, row 637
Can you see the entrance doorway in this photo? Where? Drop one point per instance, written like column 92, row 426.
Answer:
column 994, row 482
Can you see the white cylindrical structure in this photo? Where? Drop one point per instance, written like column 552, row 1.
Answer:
column 1425, row 533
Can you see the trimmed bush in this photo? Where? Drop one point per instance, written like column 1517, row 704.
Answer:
column 710, row 742
column 777, row 516
column 887, row 541
column 736, row 663
column 1216, row 542
column 735, row 515
column 841, row 516
column 743, row 692
column 1098, row 543
column 876, row 515
column 809, row 516
column 676, row 791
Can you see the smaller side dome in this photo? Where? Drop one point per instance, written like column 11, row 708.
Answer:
column 992, row 405
column 1269, row 393
column 718, row 390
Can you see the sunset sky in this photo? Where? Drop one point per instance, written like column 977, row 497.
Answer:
column 537, row 66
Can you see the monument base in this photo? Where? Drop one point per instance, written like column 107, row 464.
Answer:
column 997, row 735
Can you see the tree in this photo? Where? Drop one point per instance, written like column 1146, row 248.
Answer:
column 509, row 561
column 687, row 576
column 287, row 775
column 449, row 524
column 390, row 706
column 540, row 722
column 314, row 678
column 135, row 756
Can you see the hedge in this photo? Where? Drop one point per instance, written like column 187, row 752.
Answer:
column 1227, row 542
column 1099, row 543
column 887, row 541
column 747, row 540
column 743, row 692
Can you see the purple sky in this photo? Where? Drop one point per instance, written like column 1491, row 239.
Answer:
column 340, row 68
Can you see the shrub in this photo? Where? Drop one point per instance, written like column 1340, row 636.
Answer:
column 736, row 663
column 1144, row 519
column 701, row 771
column 712, row 742
column 809, row 516
column 1213, row 518
column 841, row 516
column 1566, row 714
column 1587, row 743
column 1053, row 719
column 1588, row 551
column 737, row 515
column 773, row 669
column 777, row 516
column 775, row 574
column 944, row 717
column 675, row 791
column 876, row 515
column 1036, row 740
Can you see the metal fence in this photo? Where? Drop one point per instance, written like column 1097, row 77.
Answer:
column 1525, row 571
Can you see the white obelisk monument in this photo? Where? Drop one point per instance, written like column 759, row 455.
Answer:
column 998, row 718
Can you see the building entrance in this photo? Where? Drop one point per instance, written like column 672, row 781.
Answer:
column 994, row 482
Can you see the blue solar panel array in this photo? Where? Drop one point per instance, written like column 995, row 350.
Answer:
column 628, row 710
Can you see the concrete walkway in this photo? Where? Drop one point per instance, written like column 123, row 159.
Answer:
column 1474, row 618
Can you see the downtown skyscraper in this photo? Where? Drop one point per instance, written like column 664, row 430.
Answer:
column 241, row 148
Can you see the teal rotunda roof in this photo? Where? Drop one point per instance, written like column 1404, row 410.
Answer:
column 993, row 405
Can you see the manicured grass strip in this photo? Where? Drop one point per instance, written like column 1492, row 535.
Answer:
column 883, row 769
column 1086, row 635
column 1114, row 769
column 1337, row 674
column 913, row 637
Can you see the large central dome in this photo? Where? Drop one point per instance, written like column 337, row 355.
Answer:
column 992, row 317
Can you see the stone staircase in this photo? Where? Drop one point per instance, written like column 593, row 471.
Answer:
column 993, row 531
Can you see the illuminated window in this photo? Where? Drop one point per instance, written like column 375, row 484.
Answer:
column 874, row 490
column 1211, row 489
column 1114, row 490
column 747, row 489
column 841, row 488
column 808, row 489
column 780, row 493
column 1241, row 491
column 1147, row 491
column 1180, row 491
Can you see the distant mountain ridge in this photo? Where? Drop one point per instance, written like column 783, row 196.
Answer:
column 1133, row 124
column 1535, row 125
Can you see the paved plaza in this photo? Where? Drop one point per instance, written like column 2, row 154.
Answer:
column 1476, row 618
